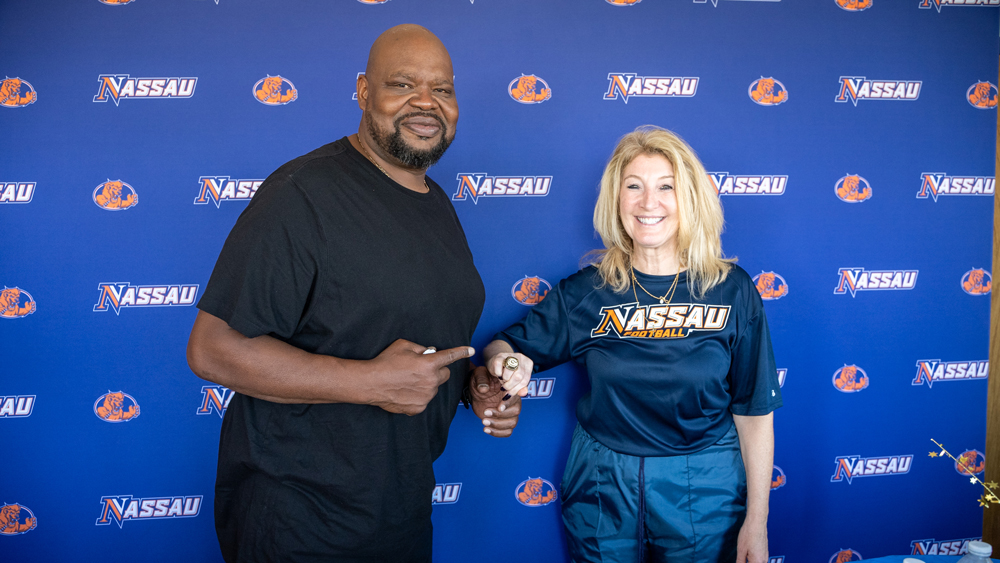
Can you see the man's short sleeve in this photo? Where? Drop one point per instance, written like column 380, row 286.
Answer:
column 269, row 264
column 753, row 379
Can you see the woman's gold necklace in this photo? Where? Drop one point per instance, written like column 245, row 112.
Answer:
column 667, row 297
column 372, row 160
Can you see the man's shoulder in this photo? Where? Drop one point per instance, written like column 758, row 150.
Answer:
column 334, row 154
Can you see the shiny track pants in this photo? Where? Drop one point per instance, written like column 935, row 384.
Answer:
column 622, row 508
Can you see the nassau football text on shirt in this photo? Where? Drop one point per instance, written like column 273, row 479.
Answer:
column 116, row 296
column 16, row 406
column 676, row 320
column 16, row 192
column 856, row 88
column 627, row 85
column 853, row 280
column 936, row 371
column 739, row 184
column 216, row 189
column 474, row 185
column 123, row 508
column 117, row 87
column 934, row 184
column 851, row 466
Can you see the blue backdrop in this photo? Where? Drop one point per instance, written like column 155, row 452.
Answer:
column 851, row 141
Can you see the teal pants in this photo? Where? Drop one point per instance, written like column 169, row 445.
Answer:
column 622, row 508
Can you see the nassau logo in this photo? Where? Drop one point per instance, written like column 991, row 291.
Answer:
column 627, row 85
column 275, row 91
column 853, row 189
column 116, row 87
column 15, row 303
column 215, row 398
column 116, row 2
column 535, row 492
column 971, row 462
column 530, row 291
column 770, row 285
column 845, row 555
column 217, row 189
column 850, row 379
column 936, row 184
column 731, row 184
column 853, row 280
column 475, row 185
column 121, row 508
column 16, row 192
column 854, row 88
column 115, row 196
column 529, row 89
column 16, row 406
column 623, row 2
column 977, row 282
column 982, row 95
column 782, row 372
column 116, row 407
column 946, row 547
column 776, row 559
column 778, row 479
column 851, row 466
column 446, row 493
column 854, row 5
column 117, row 295
column 928, row 4
column 767, row 92
column 16, row 519
column 540, row 388
column 629, row 320
column 16, row 93
column 934, row 371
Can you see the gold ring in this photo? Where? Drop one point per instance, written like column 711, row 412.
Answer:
column 511, row 363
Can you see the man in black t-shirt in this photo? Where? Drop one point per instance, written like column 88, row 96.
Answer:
column 345, row 272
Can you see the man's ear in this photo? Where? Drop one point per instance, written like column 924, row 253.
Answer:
column 362, row 92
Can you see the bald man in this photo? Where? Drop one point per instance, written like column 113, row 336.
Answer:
column 340, row 311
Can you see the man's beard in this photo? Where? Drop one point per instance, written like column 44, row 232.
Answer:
column 393, row 143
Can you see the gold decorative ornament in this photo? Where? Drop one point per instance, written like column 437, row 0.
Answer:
column 990, row 496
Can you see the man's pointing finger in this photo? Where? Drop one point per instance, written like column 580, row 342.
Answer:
column 451, row 355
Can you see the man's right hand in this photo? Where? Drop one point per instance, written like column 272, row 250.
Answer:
column 405, row 379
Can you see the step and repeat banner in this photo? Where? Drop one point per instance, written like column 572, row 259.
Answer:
column 850, row 141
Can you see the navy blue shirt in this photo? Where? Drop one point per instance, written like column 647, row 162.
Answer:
column 665, row 378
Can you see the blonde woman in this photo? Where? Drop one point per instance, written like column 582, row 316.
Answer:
column 672, row 456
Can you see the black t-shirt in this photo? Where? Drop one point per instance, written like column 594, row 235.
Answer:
column 334, row 258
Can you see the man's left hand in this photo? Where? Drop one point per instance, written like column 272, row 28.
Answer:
column 751, row 545
column 499, row 417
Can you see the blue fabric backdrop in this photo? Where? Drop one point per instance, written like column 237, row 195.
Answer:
column 875, row 140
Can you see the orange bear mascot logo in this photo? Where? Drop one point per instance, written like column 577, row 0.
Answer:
column 851, row 190
column 15, row 92
column 109, row 196
column 854, row 5
column 623, row 2
column 10, row 516
column 116, row 2
column 845, row 556
column 983, row 95
column 771, row 286
column 528, row 291
column 976, row 282
column 272, row 91
column 111, row 410
column 529, row 89
column 15, row 303
column 532, row 494
column 777, row 478
column 850, row 379
column 764, row 92
column 966, row 464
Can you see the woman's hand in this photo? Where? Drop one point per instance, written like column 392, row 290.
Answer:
column 513, row 370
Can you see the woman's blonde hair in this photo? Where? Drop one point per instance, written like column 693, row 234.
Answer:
column 699, row 213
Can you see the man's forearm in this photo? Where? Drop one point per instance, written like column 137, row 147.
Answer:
column 269, row 369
